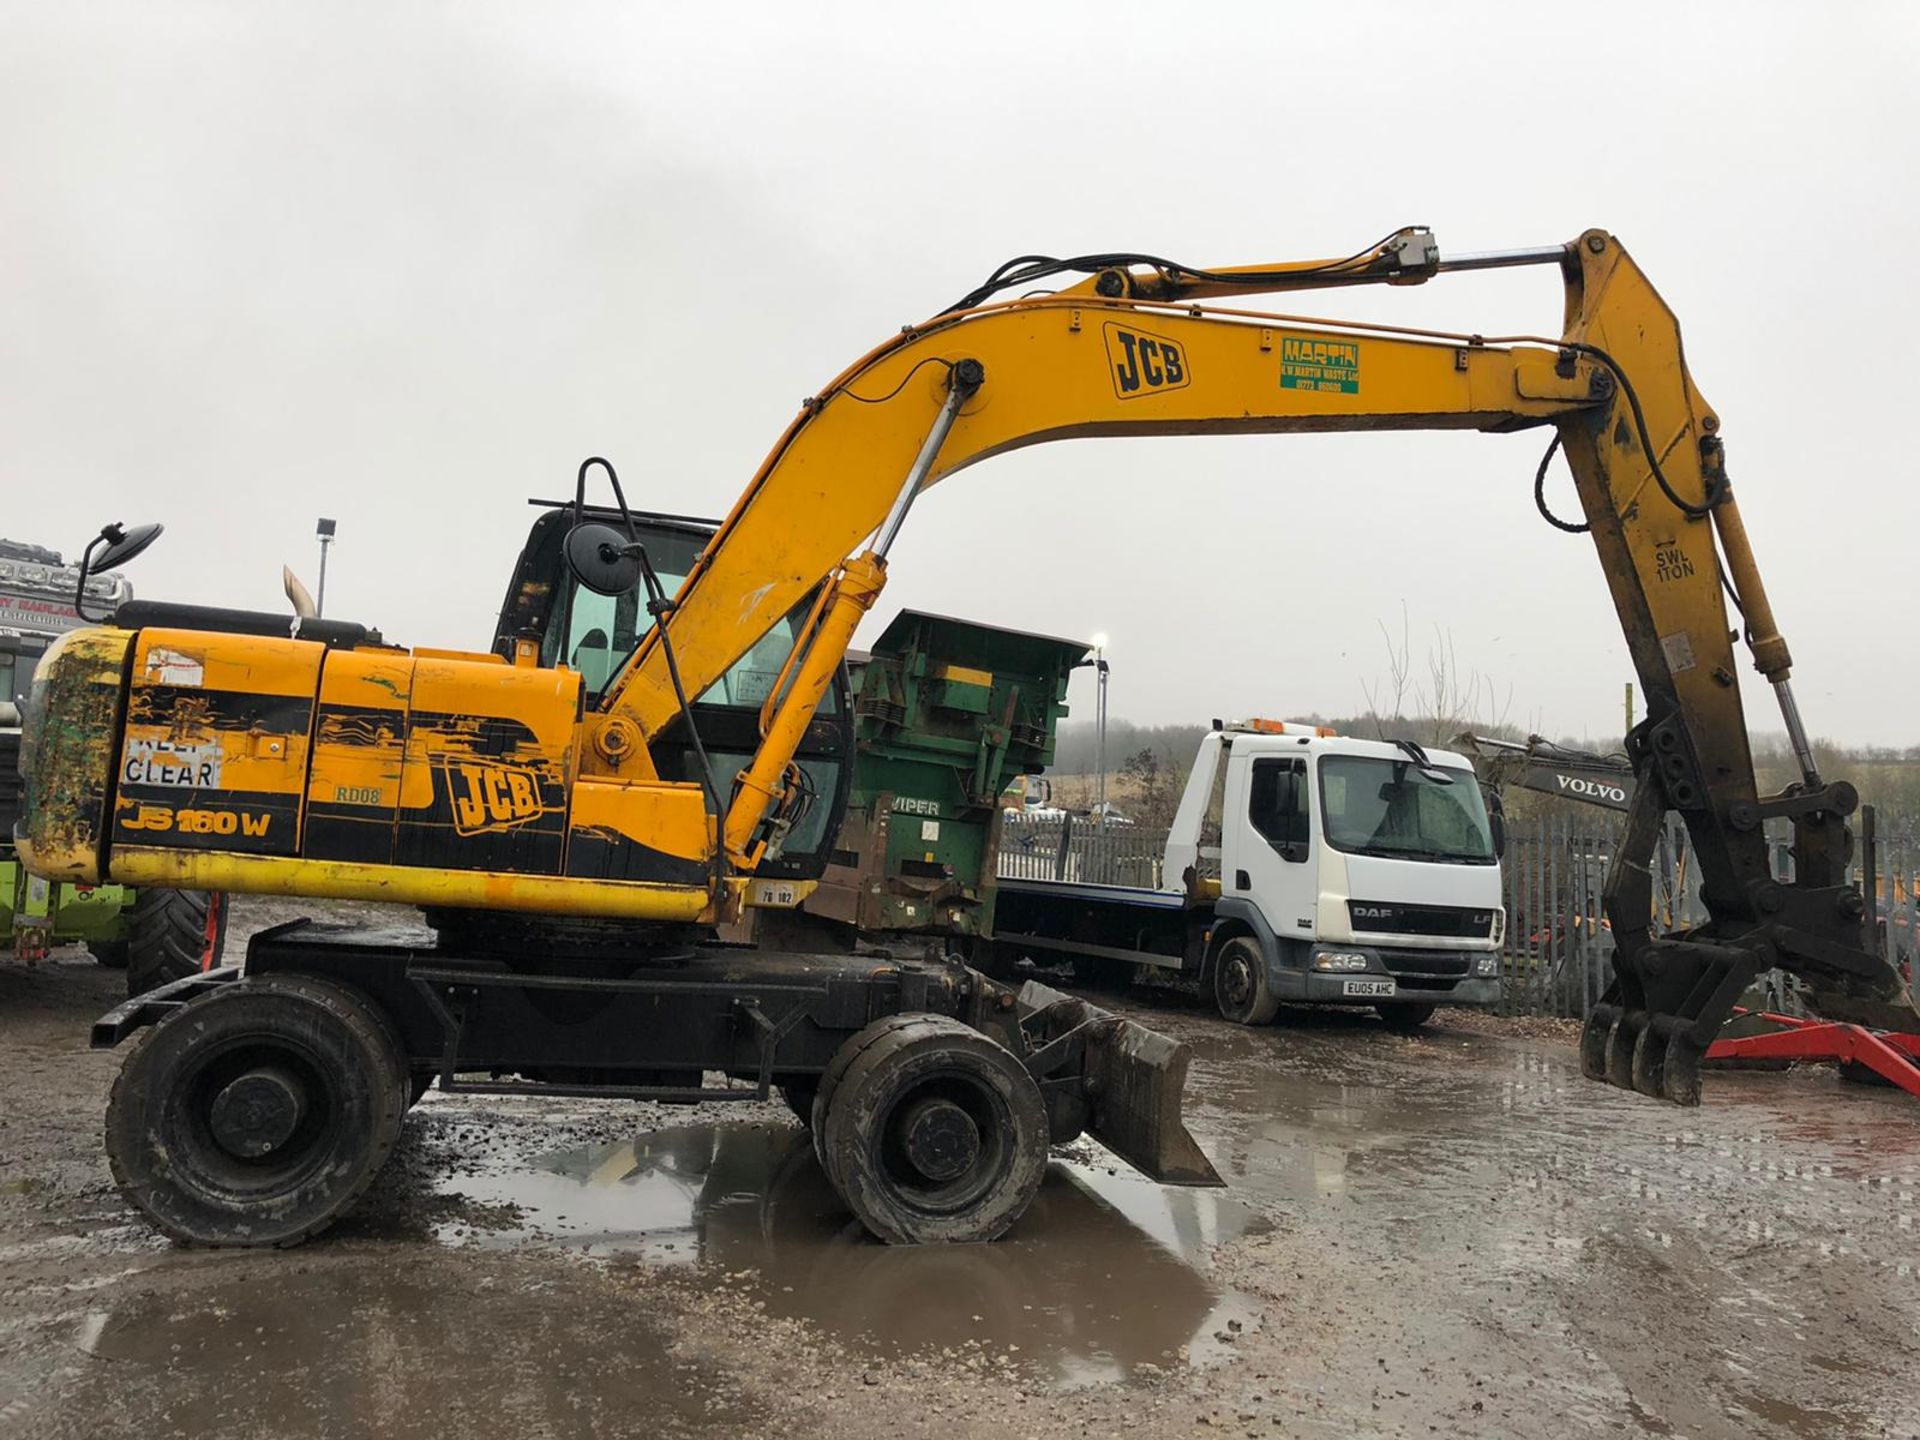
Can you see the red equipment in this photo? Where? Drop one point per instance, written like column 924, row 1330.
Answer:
column 1889, row 1054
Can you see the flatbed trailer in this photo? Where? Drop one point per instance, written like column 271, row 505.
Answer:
column 272, row 1093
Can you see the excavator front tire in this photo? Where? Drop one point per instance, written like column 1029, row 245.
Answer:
column 257, row 1114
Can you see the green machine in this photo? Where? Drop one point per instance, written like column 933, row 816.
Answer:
column 34, row 916
column 155, row 935
column 947, row 714
column 36, row 606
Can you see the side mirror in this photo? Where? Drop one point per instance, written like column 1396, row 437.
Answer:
column 1497, row 827
column 598, row 557
column 113, row 547
column 121, row 544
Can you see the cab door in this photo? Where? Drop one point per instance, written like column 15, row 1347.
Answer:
column 1267, row 837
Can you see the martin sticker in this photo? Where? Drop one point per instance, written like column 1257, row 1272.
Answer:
column 1329, row 366
column 488, row 798
column 169, row 763
column 1143, row 363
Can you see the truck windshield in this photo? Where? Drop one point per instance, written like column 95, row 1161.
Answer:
column 1391, row 807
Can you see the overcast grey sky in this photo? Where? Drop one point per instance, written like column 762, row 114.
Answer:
column 405, row 265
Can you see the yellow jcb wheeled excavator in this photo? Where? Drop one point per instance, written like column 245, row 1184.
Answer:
column 576, row 841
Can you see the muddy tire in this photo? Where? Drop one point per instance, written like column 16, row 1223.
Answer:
column 1404, row 1019
column 258, row 1114
column 1241, row 991
column 172, row 934
column 844, row 1057
column 937, row 1134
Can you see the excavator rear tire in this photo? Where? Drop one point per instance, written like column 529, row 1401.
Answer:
column 258, row 1113
column 172, row 934
column 937, row 1133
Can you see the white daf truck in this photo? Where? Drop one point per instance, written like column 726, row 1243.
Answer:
column 1304, row 868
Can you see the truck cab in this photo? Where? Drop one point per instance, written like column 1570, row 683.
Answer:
column 1302, row 867
column 1362, row 871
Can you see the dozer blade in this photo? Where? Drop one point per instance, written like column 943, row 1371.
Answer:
column 1133, row 1079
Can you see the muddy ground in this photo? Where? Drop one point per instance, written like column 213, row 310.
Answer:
column 1445, row 1235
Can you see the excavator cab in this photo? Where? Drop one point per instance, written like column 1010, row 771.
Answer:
column 596, row 634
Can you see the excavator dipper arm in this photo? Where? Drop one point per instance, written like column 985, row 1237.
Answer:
column 1127, row 353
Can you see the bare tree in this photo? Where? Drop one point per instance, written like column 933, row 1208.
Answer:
column 1448, row 701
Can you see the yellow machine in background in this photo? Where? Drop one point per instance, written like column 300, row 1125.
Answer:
column 327, row 764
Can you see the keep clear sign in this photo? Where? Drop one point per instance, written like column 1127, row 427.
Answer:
column 171, row 763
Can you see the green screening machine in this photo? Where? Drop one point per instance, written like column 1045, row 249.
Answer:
column 947, row 715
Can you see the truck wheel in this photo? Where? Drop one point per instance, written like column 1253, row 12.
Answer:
column 258, row 1114
column 938, row 1135
column 172, row 934
column 1404, row 1019
column 1240, row 987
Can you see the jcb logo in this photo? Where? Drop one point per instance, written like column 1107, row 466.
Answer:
column 487, row 797
column 1144, row 364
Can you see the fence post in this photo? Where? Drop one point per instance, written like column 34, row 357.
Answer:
column 1870, row 873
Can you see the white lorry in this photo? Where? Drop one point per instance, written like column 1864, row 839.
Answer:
column 1302, row 867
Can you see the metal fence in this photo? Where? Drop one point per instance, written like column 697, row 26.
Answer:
column 1075, row 848
column 1557, row 955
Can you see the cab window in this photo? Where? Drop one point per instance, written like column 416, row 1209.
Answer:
column 603, row 630
column 1277, row 802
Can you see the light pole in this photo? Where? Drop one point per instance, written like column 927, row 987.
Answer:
column 1100, row 731
column 325, row 531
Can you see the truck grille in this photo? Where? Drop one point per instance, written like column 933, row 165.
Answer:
column 1465, row 922
column 1403, row 964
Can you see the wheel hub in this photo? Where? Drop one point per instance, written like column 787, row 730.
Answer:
column 940, row 1139
column 1236, row 980
column 256, row 1113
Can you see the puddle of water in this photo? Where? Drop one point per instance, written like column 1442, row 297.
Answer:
column 1097, row 1280
column 358, row 1350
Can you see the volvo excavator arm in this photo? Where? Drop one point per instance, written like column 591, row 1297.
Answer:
column 507, row 787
